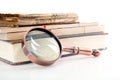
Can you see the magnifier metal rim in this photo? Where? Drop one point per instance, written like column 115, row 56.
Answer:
column 35, row 59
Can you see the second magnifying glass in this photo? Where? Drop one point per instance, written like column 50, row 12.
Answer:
column 44, row 48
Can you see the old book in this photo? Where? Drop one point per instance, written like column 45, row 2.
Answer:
column 12, row 20
column 51, row 26
column 24, row 22
column 40, row 16
column 12, row 52
column 57, row 32
column 50, row 15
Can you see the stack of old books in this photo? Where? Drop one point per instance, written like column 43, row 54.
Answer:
column 64, row 25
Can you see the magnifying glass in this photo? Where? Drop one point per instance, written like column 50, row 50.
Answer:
column 44, row 48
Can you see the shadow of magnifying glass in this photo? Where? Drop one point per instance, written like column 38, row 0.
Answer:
column 43, row 47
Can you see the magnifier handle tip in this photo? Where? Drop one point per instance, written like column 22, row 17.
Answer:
column 96, row 53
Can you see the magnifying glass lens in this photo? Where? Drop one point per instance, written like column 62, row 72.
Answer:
column 42, row 45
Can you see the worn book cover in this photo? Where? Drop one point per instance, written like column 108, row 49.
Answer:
column 15, row 20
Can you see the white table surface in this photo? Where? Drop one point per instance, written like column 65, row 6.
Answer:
column 72, row 68
column 104, row 67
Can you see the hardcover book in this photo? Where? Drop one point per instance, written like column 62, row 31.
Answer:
column 58, row 30
column 12, row 52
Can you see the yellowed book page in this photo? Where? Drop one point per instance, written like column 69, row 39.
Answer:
column 50, row 15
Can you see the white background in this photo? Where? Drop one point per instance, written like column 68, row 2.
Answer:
column 106, row 67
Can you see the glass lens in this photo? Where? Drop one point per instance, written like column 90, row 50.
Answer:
column 42, row 45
